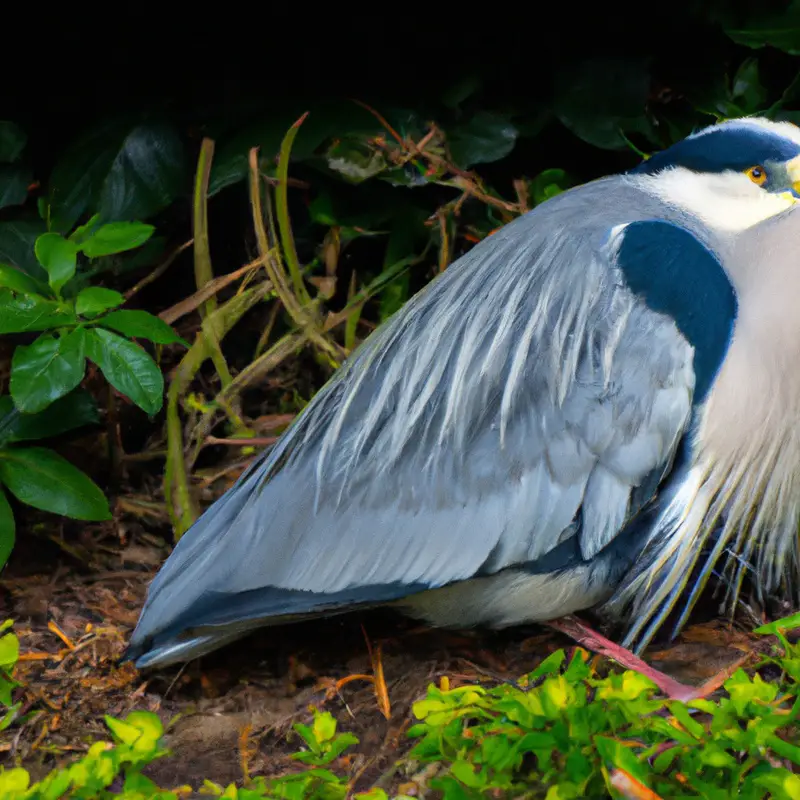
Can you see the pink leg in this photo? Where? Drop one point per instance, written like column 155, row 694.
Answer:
column 584, row 635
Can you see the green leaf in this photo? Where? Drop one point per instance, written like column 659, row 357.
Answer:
column 747, row 89
column 784, row 749
column 43, row 479
column 780, row 30
column 127, row 367
column 781, row 783
column 599, row 98
column 465, row 772
column 141, row 325
column 487, row 137
column 327, row 120
column 58, row 256
column 116, row 237
column 65, row 414
column 9, row 647
column 620, row 756
column 550, row 666
column 714, row 756
column 146, row 175
column 784, row 624
column 337, row 118
column 355, row 161
column 12, row 141
column 147, row 722
column 462, row 89
column 17, row 240
column 16, row 279
column 324, row 726
column 83, row 232
column 14, row 183
column 15, row 782
column 547, row 184
column 23, row 313
column 49, row 368
column 122, row 731
column 308, row 736
column 96, row 299
column 77, row 179
column 7, row 533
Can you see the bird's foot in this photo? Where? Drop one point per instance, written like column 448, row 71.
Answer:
column 675, row 690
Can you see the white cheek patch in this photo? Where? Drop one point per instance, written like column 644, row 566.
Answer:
column 728, row 201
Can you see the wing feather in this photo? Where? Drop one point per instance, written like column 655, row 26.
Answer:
column 524, row 388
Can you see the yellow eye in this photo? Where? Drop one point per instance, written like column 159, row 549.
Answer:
column 757, row 175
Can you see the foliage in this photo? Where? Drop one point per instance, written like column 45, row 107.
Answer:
column 412, row 194
column 75, row 321
column 561, row 732
column 352, row 211
column 9, row 655
column 563, row 726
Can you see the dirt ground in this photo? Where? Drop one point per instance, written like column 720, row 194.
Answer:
column 232, row 711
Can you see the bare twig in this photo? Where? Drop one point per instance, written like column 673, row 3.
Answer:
column 194, row 301
column 158, row 271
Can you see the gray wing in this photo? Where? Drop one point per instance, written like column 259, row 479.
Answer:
column 520, row 399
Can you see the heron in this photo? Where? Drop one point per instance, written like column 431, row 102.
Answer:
column 595, row 408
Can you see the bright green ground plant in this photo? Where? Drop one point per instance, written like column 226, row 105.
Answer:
column 575, row 735
column 75, row 322
column 560, row 732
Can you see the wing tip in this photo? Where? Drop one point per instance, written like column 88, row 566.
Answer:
column 223, row 618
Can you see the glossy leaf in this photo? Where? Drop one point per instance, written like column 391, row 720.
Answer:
column 16, row 279
column 14, row 182
column 408, row 237
column 43, row 479
column 146, row 174
column 12, row 141
column 747, row 89
column 22, row 313
column 230, row 164
column 354, row 161
column 96, row 300
column 77, row 179
column 141, row 325
column 116, row 237
column 127, row 367
column 328, row 120
column 83, row 232
column 325, row 120
column 462, row 89
column 58, row 256
column 487, row 137
column 598, row 99
column 7, row 529
column 65, row 414
column 49, row 368
column 17, row 240
column 778, row 29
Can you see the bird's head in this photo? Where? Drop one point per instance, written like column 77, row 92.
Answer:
column 732, row 175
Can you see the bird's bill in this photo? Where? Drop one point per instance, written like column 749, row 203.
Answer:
column 793, row 170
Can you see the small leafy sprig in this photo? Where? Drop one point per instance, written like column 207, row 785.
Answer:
column 76, row 322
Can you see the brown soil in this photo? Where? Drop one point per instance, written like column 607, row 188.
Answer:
column 232, row 712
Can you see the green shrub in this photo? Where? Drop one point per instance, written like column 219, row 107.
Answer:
column 75, row 321
column 560, row 732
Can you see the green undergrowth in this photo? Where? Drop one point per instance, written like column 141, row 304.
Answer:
column 562, row 731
